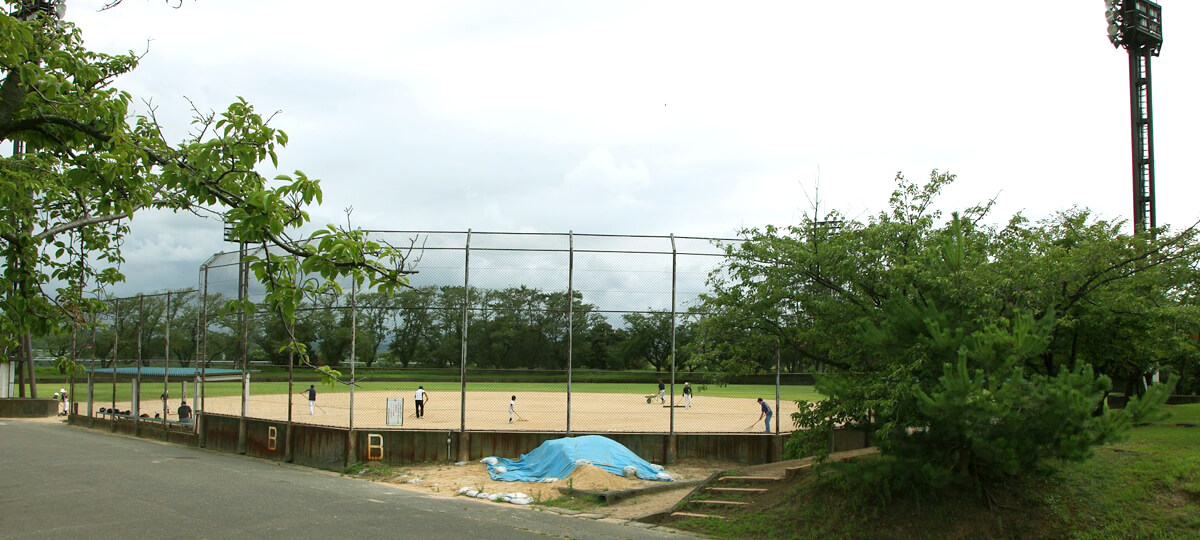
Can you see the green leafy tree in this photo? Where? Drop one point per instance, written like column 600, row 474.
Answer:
column 56, row 344
column 69, row 182
column 220, row 338
column 648, row 339
column 940, row 339
column 512, row 329
column 86, row 168
column 374, row 312
column 597, row 348
column 983, row 418
column 1122, row 301
column 269, row 335
column 185, row 327
column 447, row 325
column 331, row 325
column 414, row 333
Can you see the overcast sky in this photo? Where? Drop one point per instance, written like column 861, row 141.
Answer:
column 644, row 117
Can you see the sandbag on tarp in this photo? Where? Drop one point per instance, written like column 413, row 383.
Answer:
column 555, row 459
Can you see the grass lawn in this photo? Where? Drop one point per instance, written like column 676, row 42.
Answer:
column 1145, row 487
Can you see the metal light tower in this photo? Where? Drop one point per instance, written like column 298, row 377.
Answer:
column 1137, row 26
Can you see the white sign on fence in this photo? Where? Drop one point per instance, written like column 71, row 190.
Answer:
column 395, row 411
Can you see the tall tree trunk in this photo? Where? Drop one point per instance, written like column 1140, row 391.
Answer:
column 1133, row 386
column 27, row 350
column 20, row 373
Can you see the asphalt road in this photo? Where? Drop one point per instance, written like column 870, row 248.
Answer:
column 59, row 481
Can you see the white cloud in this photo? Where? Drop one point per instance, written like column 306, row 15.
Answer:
column 600, row 171
column 691, row 117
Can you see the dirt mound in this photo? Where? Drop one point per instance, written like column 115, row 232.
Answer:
column 592, row 478
column 440, row 479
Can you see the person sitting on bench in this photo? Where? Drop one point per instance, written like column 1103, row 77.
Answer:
column 185, row 412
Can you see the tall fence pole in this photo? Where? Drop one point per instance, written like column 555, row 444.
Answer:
column 570, row 318
column 167, row 365
column 202, row 356
column 289, row 451
column 92, row 376
column 73, row 400
column 136, row 397
column 353, row 336
column 778, row 412
column 112, row 418
column 288, row 455
column 674, row 273
column 243, row 292
column 462, row 376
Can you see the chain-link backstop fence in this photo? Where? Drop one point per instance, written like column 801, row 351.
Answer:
column 497, row 331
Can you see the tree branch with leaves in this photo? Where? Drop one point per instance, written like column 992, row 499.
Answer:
column 88, row 168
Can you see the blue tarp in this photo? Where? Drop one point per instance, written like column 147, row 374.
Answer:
column 557, row 458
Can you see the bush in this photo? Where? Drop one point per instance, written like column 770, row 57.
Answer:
column 1151, row 406
column 989, row 426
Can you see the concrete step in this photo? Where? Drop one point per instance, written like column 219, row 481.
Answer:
column 792, row 472
column 749, row 479
column 718, row 503
column 691, row 515
column 845, row 456
column 736, row 490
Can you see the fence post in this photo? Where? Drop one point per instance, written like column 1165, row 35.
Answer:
column 352, row 443
column 570, row 319
column 167, row 368
column 777, row 444
column 463, row 444
column 72, row 402
column 91, row 394
column 669, row 455
column 288, row 457
column 353, row 338
column 112, row 418
column 135, row 409
column 91, row 411
column 243, row 292
column 202, row 355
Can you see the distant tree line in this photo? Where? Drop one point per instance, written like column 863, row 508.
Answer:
column 511, row 328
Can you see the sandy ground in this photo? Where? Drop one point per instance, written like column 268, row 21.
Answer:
column 536, row 411
column 45, row 420
column 445, row 480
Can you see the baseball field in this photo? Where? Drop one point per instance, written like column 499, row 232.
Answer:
column 594, row 407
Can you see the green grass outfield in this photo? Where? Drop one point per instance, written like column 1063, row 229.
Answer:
column 152, row 390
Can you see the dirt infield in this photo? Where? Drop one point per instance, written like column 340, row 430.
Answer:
column 536, row 411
